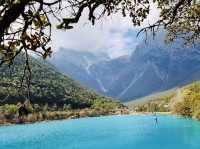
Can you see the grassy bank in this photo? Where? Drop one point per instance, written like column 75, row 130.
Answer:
column 157, row 104
column 184, row 101
column 9, row 112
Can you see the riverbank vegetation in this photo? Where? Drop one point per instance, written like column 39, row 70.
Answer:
column 184, row 102
column 156, row 104
column 9, row 112
column 189, row 104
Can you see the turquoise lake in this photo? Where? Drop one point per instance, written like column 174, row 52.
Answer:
column 112, row 132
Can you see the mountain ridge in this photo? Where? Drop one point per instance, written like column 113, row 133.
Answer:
column 48, row 86
column 153, row 66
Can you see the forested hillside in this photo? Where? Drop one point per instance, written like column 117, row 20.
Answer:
column 183, row 101
column 47, row 87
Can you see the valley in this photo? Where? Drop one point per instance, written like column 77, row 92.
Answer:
column 99, row 74
column 51, row 95
column 154, row 66
column 184, row 101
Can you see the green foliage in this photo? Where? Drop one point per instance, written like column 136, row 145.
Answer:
column 47, row 87
column 106, row 105
column 52, row 95
column 160, row 104
column 9, row 113
column 11, row 109
column 190, row 104
column 186, row 103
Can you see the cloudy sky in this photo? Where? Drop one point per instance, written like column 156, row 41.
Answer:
column 113, row 35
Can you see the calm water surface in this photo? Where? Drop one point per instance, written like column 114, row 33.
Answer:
column 113, row 132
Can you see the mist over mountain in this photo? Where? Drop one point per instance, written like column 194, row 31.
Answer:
column 153, row 66
column 77, row 64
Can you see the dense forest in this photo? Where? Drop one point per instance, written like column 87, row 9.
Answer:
column 47, row 86
column 49, row 91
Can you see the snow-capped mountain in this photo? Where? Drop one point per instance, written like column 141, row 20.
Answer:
column 154, row 66
column 77, row 64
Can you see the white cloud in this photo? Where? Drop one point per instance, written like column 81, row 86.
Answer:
column 109, row 35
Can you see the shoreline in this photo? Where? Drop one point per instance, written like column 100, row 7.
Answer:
column 131, row 113
column 150, row 113
column 59, row 115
